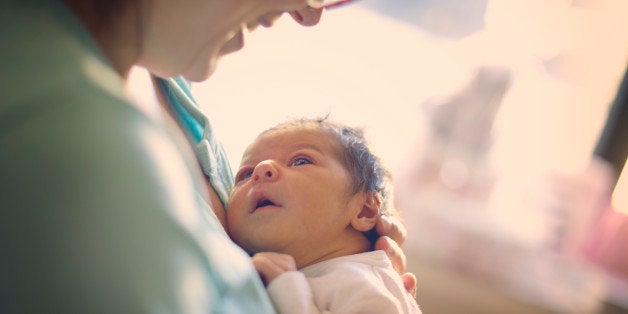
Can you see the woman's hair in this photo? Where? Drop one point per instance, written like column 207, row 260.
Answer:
column 367, row 171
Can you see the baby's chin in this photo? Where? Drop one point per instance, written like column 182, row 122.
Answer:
column 253, row 247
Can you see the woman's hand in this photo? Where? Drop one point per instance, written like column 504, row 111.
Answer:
column 392, row 234
column 269, row 265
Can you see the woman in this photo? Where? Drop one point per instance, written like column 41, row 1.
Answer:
column 100, row 207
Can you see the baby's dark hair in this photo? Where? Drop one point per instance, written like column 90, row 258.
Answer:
column 367, row 171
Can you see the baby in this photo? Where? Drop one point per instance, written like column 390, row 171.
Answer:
column 306, row 196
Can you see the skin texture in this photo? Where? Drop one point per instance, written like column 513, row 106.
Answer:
column 171, row 38
column 313, row 215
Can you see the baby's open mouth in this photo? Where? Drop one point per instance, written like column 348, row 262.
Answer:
column 264, row 202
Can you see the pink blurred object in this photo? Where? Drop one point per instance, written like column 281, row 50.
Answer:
column 608, row 243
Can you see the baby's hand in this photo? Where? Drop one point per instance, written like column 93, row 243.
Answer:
column 269, row 265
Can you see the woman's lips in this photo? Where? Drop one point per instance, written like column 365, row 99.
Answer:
column 234, row 44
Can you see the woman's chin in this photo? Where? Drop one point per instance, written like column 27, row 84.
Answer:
column 200, row 74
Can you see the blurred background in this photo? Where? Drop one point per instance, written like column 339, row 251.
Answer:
column 491, row 116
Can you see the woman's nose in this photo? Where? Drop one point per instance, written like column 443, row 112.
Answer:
column 307, row 16
column 265, row 171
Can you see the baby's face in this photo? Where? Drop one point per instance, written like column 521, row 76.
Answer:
column 291, row 192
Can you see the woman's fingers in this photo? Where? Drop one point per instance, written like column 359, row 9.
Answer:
column 398, row 260
column 394, row 253
column 409, row 282
column 392, row 228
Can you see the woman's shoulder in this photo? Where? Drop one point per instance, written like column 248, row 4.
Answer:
column 48, row 55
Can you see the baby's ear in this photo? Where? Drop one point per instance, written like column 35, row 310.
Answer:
column 369, row 214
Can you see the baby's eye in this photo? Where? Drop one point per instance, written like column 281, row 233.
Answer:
column 244, row 174
column 301, row 161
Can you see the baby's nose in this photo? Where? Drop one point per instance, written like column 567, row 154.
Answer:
column 265, row 171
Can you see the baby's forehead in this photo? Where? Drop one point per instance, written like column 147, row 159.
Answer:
column 303, row 132
column 294, row 137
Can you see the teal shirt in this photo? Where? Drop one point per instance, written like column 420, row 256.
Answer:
column 99, row 209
